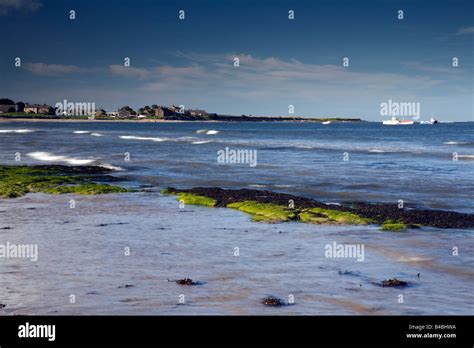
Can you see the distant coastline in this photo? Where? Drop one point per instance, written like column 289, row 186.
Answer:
column 69, row 111
column 174, row 119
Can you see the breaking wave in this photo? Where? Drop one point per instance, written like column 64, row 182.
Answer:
column 207, row 131
column 18, row 131
column 201, row 142
column 48, row 157
column 132, row 137
column 458, row 143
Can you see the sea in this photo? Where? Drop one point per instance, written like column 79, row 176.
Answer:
column 120, row 253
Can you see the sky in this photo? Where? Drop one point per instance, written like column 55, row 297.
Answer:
column 282, row 62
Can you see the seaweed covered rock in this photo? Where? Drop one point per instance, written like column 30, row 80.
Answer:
column 16, row 181
column 275, row 207
column 267, row 206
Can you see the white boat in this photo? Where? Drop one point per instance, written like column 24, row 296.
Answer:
column 326, row 122
column 396, row 122
column 431, row 121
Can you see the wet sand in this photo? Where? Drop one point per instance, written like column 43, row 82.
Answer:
column 81, row 252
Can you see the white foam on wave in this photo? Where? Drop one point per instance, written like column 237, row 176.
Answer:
column 132, row 137
column 201, row 142
column 457, row 143
column 96, row 134
column 48, row 157
column 18, row 131
column 257, row 185
column 111, row 167
column 414, row 259
column 207, row 131
column 377, row 151
column 192, row 140
column 81, row 132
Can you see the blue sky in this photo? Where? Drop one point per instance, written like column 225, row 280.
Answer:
column 282, row 62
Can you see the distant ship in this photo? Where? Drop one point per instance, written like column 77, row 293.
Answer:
column 431, row 121
column 396, row 122
column 327, row 122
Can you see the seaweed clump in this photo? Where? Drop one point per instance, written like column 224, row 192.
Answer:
column 17, row 181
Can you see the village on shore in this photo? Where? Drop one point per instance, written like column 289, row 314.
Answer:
column 84, row 111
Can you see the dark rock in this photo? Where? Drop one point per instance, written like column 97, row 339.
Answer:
column 75, row 169
column 111, row 223
column 273, row 301
column 184, row 281
column 351, row 273
column 393, row 283
column 126, row 286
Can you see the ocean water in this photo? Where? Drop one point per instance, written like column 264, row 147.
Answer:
column 81, row 250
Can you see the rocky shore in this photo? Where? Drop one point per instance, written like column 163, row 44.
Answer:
column 279, row 207
column 16, row 181
column 267, row 206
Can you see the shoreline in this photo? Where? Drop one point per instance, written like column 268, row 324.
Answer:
column 249, row 120
column 46, row 120
column 262, row 205
column 55, row 120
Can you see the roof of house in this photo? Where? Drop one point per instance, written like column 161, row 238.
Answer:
column 6, row 101
column 37, row 106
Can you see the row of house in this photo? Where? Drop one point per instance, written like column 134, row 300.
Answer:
column 9, row 106
column 160, row 112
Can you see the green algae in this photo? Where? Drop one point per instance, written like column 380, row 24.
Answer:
column 268, row 212
column 329, row 216
column 393, row 226
column 17, row 181
column 265, row 211
column 87, row 189
column 189, row 198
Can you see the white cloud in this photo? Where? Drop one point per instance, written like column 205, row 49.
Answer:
column 51, row 69
column 465, row 31
column 124, row 71
column 422, row 66
column 273, row 78
column 7, row 6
